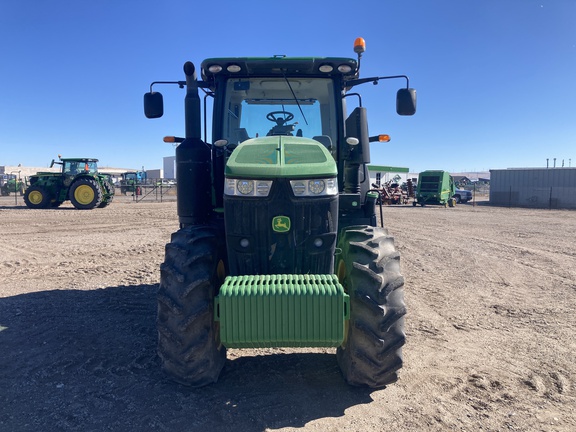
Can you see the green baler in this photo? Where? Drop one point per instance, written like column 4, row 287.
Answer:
column 435, row 187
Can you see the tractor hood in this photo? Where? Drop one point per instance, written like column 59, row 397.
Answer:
column 281, row 157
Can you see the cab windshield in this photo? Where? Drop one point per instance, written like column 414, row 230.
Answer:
column 258, row 107
column 77, row 167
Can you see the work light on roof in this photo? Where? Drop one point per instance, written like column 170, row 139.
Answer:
column 215, row 68
column 326, row 68
column 344, row 68
column 233, row 68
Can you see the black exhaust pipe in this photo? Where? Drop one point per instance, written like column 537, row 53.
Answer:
column 193, row 160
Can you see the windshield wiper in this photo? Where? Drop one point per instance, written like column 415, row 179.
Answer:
column 295, row 98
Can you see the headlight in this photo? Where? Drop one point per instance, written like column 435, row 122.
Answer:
column 246, row 187
column 314, row 187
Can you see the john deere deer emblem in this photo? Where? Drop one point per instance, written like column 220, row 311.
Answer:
column 281, row 224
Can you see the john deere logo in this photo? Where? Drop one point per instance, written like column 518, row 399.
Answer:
column 281, row 224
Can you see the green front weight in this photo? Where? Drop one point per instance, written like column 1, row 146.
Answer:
column 282, row 311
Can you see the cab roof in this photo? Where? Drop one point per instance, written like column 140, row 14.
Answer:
column 78, row 160
column 279, row 66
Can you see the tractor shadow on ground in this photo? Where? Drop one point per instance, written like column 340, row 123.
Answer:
column 12, row 207
column 86, row 360
column 24, row 207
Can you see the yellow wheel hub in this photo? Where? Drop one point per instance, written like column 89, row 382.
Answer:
column 84, row 194
column 35, row 197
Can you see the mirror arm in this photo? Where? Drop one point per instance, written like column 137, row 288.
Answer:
column 181, row 84
column 374, row 80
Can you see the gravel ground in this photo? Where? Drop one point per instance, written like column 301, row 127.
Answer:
column 491, row 295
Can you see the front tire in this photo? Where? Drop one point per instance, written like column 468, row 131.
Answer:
column 36, row 197
column 369, row 269
column 188, row 337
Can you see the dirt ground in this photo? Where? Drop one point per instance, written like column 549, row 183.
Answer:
column 491, row 295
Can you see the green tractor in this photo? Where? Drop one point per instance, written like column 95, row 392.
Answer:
column 132, row 182
column 12, row 185
column 279, row 244
column 78, row 181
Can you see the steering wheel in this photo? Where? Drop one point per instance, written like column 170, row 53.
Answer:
column 278, row 120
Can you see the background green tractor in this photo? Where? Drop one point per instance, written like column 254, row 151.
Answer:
column 78, row 181
column 278, row 243
column 132, row 182
column 12, row 184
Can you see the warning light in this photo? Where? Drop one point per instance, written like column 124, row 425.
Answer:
column 380, row 138
column 359, row 45
column 172, row 139
column 383, row 138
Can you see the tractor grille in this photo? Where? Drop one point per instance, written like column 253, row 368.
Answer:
column 254, row 247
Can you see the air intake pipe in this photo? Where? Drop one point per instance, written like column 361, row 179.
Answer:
column 359, row 153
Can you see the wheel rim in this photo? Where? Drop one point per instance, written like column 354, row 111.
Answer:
column 35, row 197
column 84, row 194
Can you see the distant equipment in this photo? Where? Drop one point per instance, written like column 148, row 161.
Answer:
column 79, row 181
column 435, row 187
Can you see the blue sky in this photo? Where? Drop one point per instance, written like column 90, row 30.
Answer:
column 495, row 78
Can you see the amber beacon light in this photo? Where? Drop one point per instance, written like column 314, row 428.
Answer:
column 359, row 45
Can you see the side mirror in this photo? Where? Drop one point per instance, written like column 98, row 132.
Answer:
column 406, row 101
column 153, row 105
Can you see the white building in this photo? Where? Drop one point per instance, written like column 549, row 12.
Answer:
column 170, row 167
column 381, row 174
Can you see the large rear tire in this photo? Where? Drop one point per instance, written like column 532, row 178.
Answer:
column 36, row 197
column 85, row 194
column 369, row 269
column 108, row 190
column 188, row 337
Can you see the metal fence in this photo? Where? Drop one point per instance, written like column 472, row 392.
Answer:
column 148, row 190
